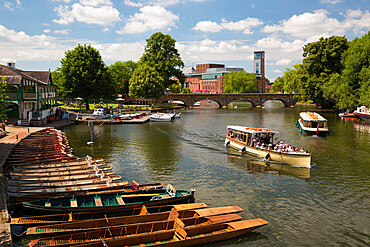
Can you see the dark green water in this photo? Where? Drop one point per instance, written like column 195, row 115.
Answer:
column 326, row 206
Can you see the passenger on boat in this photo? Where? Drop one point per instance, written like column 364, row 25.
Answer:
column 302, row 151
column 290, row 148
column 258, row 145
column 263, row 146
column 253, row 143
column 269, row 147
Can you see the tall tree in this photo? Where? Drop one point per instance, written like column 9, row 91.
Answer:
column 3, row 104
column 322, row 59
column 146, row 82
column 121, row 73
column 240, row 82
column 161, row 54
column 84, row 74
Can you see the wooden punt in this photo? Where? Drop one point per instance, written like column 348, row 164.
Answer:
column 60, row 168
column 62, row 183
column 58, row 173
column 65, row 158
column 89, row 225
column 120, row 232
column 74, row 217
column 180, row 237
column 108, row 201
column 59, row 164
column 74, row 177
column 39, row 156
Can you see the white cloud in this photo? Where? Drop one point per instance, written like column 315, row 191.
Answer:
column 103, row 15
column 318, row 24
column 9, row 5
column 242, row 25
column 283, row 62
column 132, row 4
column 277, row 71
column 164, row 3
column 64, row 1
column 64, row 31
column 150, row 18
column 47, row 31
column 96, row 2
column 105, row 29
column 331, row 1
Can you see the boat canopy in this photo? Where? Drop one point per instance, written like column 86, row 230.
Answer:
column 252, row 130
column 311, row 117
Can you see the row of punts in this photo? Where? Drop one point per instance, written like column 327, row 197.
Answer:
column 72, row 201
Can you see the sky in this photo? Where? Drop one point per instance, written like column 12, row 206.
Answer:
column 36, row 33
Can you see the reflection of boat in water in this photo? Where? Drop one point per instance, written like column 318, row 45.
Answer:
column 252, row 165
column 362, row 127
column 245, row 139
column 312, row 123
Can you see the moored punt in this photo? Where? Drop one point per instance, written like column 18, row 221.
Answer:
column 182, row 236
column 79, row 162
column 244, row 140
column 73, row 217
column 312, row 123
column 120, row 232
column 58, row 173
column 62, row 183
column 66, row 158
column 59, row 168
column 88, row 225
column 22, row 180
column 108, row 201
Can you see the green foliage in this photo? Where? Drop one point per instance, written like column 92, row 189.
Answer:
column 240, row 82
column 84, row 74
column 175, row 87
column 121, row 73
column 186, row 90
column 146, row 82
column 278, row 85
column 4, row 106
column 56, row 78
column 161, row 54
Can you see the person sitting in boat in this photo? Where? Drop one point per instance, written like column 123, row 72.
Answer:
column 269, row 147
column 301, row 150
column 254, row 141
column 263, row 146
column 290, row 148
column 258, row 145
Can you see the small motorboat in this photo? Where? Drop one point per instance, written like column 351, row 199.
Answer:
column 312, row 123
column 161, row 117
column 363, row 112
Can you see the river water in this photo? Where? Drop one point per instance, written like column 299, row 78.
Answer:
column 327, row 205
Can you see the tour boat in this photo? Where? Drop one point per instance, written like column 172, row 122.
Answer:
column 312, row 123
column 245, row 138
column 363, row 112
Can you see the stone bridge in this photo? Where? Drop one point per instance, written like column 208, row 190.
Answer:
column 223, row 99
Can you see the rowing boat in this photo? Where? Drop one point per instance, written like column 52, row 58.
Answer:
column 183, row 236
column 59, row 173
column 120, row 232
column 95, row 224
column 59, row 164
column 108, row 201
column 22, row 180
column 60, row 168
column 41, row 184
column 79, row 216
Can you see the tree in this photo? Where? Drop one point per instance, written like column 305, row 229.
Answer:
column 84, row 74
column 161, row 54
column 240, row 82
column 175, row 87
column 56, row 78
column 278, row 85
column 121, row 73
column 3, row 103
column 146, row 82
column 186, row 90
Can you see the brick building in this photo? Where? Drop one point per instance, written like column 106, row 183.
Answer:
column 208, row 78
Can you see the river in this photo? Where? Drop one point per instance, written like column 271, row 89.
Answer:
column 325, row 205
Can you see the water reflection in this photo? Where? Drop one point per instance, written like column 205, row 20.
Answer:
column 255, row 166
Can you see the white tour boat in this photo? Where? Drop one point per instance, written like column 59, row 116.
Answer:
column 363, row 112
column 312, row 123
column 249, row 140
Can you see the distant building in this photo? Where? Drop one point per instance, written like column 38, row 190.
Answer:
column 208, row 78
column 31, row 93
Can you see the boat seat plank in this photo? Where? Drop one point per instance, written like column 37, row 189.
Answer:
column 120, row 200
column 98, row 202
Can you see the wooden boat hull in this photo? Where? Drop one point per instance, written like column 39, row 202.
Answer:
column 80, row 216
column 59, row 168
column 64, row 203
column 188, row 236
column 293, row 159
column 97, row 224
column 59, row 173
column 58, row 165
column 22, row 180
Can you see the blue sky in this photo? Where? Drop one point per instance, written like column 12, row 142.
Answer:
column 35, row 33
